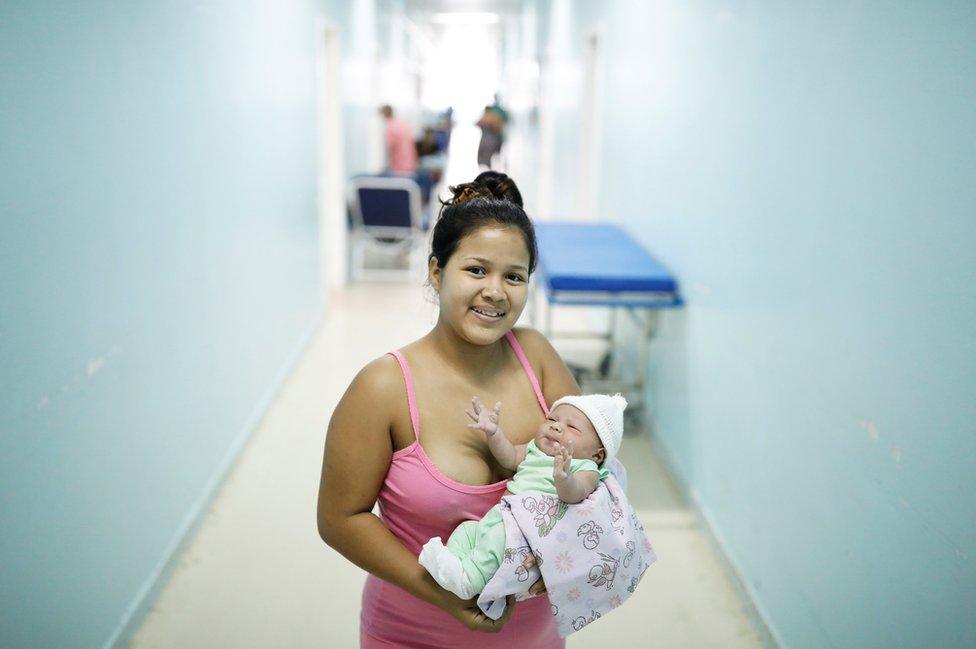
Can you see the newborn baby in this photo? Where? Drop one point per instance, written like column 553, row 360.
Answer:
column 566, row 458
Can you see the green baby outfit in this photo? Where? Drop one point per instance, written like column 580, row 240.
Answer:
column 480, row 545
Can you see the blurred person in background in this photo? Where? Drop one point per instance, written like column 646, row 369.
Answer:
column 492, row 125
column 401, row 151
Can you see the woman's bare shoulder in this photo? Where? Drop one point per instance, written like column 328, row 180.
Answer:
column 537, row 347
column 372, row 396
column 380, row 377
column 556, row 379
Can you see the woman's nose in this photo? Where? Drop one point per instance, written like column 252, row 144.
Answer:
column 493, row 293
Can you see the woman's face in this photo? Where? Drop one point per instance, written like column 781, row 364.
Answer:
column 484, row 285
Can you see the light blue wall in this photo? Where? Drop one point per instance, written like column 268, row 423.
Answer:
column 808, row 171
column 159, row 267
column 358, row 23
column 563, row 26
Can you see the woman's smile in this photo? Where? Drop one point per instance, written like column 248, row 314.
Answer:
column 487, row 314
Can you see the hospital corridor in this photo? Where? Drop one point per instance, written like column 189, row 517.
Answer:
column 754, row 222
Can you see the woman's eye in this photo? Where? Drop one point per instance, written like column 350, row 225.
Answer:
column 516, row 278
column 476, row 270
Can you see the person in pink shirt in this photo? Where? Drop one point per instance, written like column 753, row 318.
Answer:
column 395, row 438
column 401, row 152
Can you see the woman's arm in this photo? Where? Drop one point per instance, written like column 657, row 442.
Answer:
column 358, row 452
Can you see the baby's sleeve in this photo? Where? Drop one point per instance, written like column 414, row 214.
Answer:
column 587, row 465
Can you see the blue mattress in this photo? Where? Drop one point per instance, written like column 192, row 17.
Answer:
column 598, row 258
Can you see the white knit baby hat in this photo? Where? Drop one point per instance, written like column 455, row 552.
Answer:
column 606, row 413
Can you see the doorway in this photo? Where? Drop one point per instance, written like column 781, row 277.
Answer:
column 333, row 226
column 590, row 122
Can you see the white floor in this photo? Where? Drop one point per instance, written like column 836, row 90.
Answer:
column 257, row 574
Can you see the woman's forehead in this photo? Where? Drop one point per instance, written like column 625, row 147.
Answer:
column 502, row 245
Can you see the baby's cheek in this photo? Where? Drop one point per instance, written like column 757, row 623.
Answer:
column 590, row 447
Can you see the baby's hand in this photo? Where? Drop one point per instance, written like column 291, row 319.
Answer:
column 560, row 462
column 485, row 420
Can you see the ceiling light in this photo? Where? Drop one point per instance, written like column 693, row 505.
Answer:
column 465, row 18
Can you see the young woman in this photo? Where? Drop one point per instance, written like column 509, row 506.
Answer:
column 399, row 434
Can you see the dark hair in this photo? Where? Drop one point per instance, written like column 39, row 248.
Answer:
column 490, row 199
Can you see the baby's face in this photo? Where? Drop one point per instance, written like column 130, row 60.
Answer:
column 564, row 424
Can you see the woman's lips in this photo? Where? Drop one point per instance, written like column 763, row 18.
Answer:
column 487, row 318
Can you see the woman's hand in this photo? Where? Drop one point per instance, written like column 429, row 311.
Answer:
column 484, row 420
column 466, row 611
column 539, row 586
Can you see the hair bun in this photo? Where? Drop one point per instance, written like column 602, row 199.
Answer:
column 500, row 186
column 488, row 184
column 466, row 192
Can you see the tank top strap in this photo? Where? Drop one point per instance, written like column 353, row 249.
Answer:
column 517, row 348
column 411, row 395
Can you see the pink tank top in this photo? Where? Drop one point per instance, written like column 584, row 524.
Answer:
column 418, row 502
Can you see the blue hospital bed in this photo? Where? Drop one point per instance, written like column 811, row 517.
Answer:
column 600, row 265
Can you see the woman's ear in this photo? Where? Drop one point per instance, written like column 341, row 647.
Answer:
column 434, row 274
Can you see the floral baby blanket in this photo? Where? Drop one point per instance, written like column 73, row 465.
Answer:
column 591, row 555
